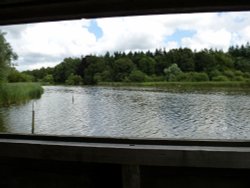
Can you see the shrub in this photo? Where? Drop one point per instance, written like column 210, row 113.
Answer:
column 192, row 77
column 220, row 78
column 200, row 77
column 97, row 78
column 172, row 72
column 183, row 77
column 239, row 73
column 15, row 76
column 137, row 76
column 48, row 79
column 239, row 78
column 214, row 73
column 106, row 76
column 247, row 75
column 74, row 80
column 229, row 74
column 154, row 78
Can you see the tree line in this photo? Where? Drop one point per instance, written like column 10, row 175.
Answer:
column 174, row 65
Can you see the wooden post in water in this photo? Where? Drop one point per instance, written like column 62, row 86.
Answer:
column 73, row 99
column 33, row 119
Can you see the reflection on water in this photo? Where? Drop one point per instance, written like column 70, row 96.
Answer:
column 112, row 112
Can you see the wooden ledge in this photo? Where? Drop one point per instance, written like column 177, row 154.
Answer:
column 176, row 153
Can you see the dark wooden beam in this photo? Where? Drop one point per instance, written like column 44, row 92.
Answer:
column 124, row 153
column 27, row 11
column 131, row 176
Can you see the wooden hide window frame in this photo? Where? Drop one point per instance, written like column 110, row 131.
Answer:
column 128, row 152
column 29, row 11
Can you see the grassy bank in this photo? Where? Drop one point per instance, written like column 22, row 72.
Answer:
column 14, row 93
column 182, row 85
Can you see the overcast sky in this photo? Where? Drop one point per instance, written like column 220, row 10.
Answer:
column 47, row 44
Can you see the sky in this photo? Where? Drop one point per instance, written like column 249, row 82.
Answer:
column 47, row 44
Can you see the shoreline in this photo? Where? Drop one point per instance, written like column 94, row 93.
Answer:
column 228, row 87
column 208, row 85
column 169, row 85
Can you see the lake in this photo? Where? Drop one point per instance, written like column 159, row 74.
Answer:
column 132, row 112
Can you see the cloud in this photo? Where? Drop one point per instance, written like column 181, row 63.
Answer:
column 47, row 44
column 209, row 30
column 31, row 58
column 58, row 38
column 132, row 33
column 209, row 38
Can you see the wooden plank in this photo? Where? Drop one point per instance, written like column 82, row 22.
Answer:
column 10, row 2
column 129, row 141
column 24, row 11
column 117, row 153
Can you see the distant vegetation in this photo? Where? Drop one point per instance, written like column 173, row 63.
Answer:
column 186, row 86
column 176, row 65
column 14, row 92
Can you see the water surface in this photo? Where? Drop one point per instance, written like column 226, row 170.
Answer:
column 144, row 113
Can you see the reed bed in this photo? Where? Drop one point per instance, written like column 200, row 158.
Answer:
column 15, row 93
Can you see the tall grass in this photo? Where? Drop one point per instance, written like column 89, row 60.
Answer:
column 14, row 93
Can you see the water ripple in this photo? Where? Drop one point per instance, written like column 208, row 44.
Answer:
column 113, row 112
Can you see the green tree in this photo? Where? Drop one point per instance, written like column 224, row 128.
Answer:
column 74, row 80
column 65, row 69
column 106, row 75
column 161, row 63
column 147, row 65
column 172, row 72
column 204, row 61
column 39, row 74
column 6, row 57
column 223, row 61
column 122, row 68
column 183, row 57
column 49, row 79
column 16, row 76
column 242, row 64
column 95, row 65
